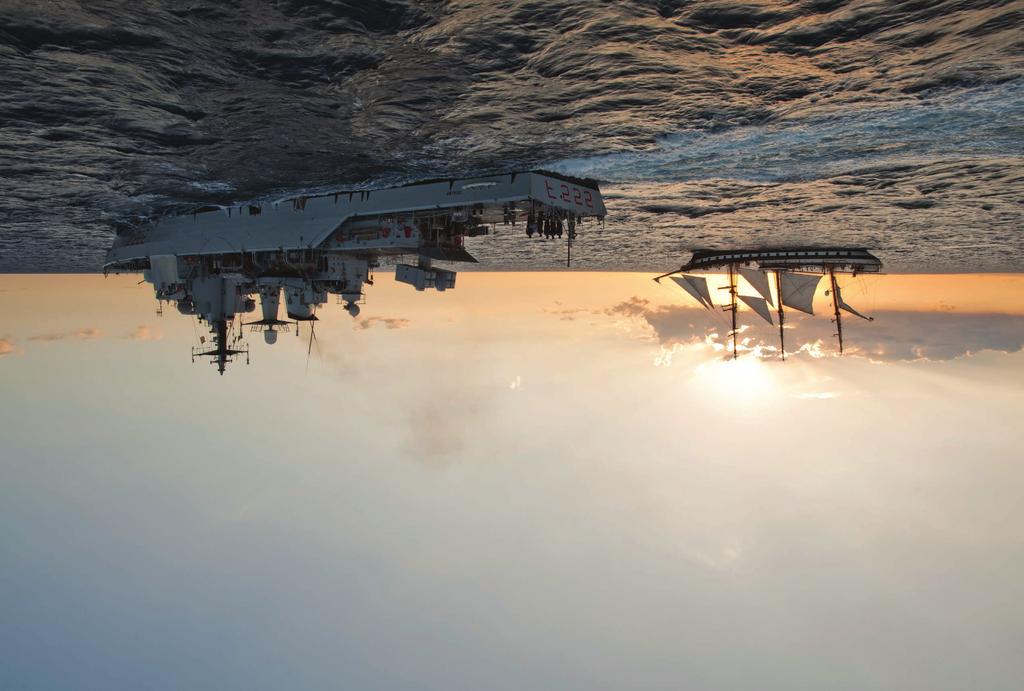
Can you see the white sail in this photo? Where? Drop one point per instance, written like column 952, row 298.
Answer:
column 759, row 305
column 759, row 280
column 843, row 306
column 691, row 289
column 701, row 284
column 798, row 290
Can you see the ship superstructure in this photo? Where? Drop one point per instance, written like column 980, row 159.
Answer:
column 796, row 273
column 216, row 262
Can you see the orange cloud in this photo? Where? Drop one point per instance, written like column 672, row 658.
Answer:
column 144, row 333
column 86, row 334
column 7, row 348
column 387, row 322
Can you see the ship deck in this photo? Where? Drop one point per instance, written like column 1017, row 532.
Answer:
column 308, row 222
column 838, row 258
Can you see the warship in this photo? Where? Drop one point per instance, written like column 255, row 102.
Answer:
column 797, row 272
column 215, row 262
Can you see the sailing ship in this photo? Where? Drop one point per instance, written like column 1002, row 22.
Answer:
column 796, row 272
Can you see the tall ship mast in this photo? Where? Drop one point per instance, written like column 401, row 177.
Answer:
column 797, row 273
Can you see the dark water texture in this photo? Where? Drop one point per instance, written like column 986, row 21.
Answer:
column 899, row 125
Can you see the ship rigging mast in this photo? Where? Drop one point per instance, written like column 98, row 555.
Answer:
column 782, row 314
column 732, row 305
column 835, row 307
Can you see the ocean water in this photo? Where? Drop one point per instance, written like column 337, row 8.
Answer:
column 895, row 125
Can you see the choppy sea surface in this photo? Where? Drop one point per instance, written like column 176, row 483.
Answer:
column 898, row 125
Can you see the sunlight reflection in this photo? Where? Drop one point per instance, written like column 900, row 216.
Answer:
column 742, row 381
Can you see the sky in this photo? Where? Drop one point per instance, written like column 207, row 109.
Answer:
column 536, row 480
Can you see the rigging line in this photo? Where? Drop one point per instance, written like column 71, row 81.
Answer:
column 870, row 294
column 312, row 335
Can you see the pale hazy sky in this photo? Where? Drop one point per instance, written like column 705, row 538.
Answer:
column 533, row 481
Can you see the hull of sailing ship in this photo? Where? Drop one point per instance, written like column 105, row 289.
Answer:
column 802, row 258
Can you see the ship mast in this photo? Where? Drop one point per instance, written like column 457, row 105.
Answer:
column 221, row 327
column 782, row 314
column 732, row 305
column 835, row 305
column 568, row 246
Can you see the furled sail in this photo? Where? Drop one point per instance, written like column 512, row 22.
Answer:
column 759, row 280
column 759, row 305
column 843, row 306
column 798, row 290
column 697, row 287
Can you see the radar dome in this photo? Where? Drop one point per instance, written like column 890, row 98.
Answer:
column 270, row 337
column 352, row 309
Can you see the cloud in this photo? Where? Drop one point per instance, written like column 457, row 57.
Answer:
column 633, row 307
column 566, row 313
column 434, row 438
column 940, row 336
column 8, row 348
column 386, row 322
column 144, row 333
column 86, row 334
column 818, row 395
column 440, row 424
column 894, row 336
